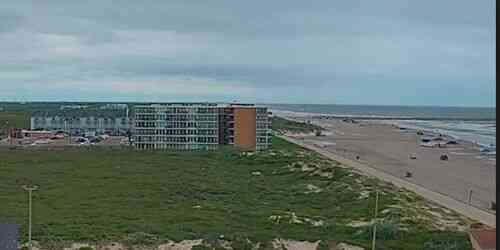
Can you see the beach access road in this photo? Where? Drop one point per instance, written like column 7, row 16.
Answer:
column 445, row 201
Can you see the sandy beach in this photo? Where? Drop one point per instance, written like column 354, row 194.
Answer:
column 467, row 176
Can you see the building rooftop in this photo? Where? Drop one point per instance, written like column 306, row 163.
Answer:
column 79, row 113
column 9, row 236
column 486, row 239
column 196, row 104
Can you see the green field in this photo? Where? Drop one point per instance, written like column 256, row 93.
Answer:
column 148, row 197
column 14, row 119
column 285, row 125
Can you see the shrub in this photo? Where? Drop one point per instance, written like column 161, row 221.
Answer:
column 445, row 245
column 385, row 231
column 242, row 244
column 141, row 238
column 266, row 246
column 323, row 245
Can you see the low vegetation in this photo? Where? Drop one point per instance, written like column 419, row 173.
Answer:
column 13, row 120
column 284, row 125
column 225, row 196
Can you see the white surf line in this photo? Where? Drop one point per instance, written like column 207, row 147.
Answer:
column 446, row 201
column 461, row 153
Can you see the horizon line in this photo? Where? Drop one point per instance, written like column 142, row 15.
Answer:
column 265, row 103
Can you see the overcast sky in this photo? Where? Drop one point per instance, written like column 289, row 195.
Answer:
column 397, row 52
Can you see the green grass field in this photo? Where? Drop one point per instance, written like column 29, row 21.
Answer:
column 144, row 197
column 13, row 120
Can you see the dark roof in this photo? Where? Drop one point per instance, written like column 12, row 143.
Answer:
column 9, row 236
column 486, row 239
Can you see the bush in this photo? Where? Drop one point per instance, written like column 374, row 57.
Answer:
column 445, row 245
column 323, row 245
column 141, row 238
column 242, row 244
column 385, row 231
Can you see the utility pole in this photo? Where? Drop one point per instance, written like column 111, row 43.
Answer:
column 11, row 140
column 30, row 189
column 375, row 222
column 470, row 196
column 66, row 130
column 69, row 130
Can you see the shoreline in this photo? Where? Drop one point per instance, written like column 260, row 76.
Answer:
column 311, row 115
column 486, row 141
column 430, row 133
column 471, row 212
column 467, row 177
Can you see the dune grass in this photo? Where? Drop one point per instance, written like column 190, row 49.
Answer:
column 13, row 120
column 282, row 124
column 146, row 197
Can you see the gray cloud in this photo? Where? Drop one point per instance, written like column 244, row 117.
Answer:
column 286, row 51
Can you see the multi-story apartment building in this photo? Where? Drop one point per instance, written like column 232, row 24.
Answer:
column 82, row 121
column 187, row 126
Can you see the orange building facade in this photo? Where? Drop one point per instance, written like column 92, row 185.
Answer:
column 245, row 125
column 191, row 126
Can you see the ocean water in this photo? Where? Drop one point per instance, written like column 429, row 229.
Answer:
column 480, row 132
column 403, row 112
column 464, row 123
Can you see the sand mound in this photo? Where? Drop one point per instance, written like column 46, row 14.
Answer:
column 345, row 246
column 183, row 245
column 281, row 244
column 112, row 246
column 292, row 218
column 359, row 223
column 77, row 246
column 363, row 195
column 312, row 189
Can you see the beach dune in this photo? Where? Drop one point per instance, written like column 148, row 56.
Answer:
column 466, row 175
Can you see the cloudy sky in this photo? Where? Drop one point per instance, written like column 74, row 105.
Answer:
column 400, row 52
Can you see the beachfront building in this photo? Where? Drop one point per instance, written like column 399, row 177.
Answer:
column 191, row 126
column 83, row 121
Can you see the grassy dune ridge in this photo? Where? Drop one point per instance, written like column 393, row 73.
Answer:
column 147, row 197
column 285, row 125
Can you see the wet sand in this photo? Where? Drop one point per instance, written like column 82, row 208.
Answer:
column 388, row 149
